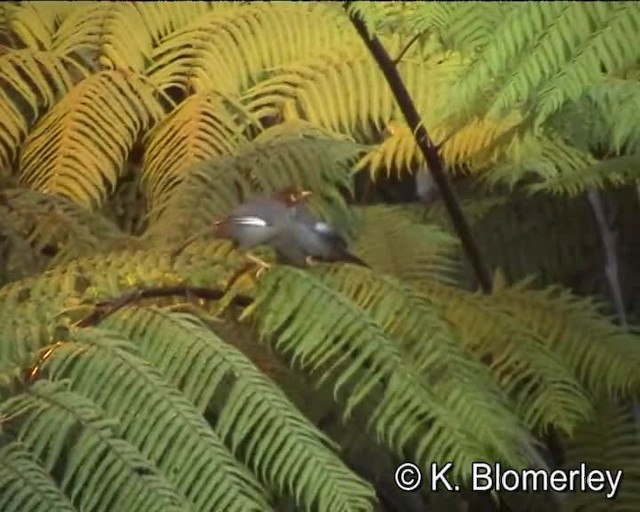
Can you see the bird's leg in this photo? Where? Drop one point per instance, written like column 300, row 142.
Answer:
column 263, row 265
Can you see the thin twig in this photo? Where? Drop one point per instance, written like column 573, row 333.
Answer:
column 428, row 149
column 406, row 49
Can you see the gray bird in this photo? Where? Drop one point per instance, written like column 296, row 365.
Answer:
column 285, row 223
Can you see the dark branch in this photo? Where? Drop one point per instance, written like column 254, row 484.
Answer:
column 428, row 149
column 103, row 309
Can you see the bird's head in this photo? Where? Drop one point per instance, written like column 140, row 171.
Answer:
column 291, row 196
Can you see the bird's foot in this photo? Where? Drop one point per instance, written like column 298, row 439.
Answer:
column 311, row 262
column 262, row 265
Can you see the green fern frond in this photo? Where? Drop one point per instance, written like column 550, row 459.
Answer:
column 545, row 54
column 323, row 331
column 255, row 417
column 461, row 26
column 463, row 383
column 26, row 486
column 392, row 241
column 531, row 372
column 604, row 118
column 53, row 423
column 543, row 158
column 156, row 419
column 574, row 329
column 609, row 442
column 50, row 223
column 611, row 172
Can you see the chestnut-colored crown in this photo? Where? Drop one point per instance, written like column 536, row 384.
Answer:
column 291, row 195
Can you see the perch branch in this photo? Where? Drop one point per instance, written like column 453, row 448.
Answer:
column 428, row 149
column 103, row 309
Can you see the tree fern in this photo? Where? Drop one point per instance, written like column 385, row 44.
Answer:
column 255, row 419
column 28, row 486
column 53, row 420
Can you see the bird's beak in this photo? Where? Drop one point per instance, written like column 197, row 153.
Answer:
column 305, row 193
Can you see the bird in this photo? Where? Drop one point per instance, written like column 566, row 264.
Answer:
column 284, row 222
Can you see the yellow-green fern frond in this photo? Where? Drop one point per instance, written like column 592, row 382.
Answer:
column 35, row 94
column 199, row 129
column 280, row 442
column 31, row 309
column 545, row 390
column 229, row 50
column 34, row 24
column 78, row 151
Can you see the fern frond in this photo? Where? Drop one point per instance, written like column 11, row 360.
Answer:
column 52, row 421
column 574, row 329
column 603, row 120
column 156, row 419
column 532, row 373
column 462, row 383
column 18, row 93
column 609, row 442
column 346, row 92
column 461, row 26
column 323, row 331
column 199, row 129
column 544, row 158
column 31, row 309
column 392, row 241
column 236, row 46
column 89, row 146
column 545, row 54
column 34, row 23
column 166, row 18
column 25, row 485
column 115, row 35
column 611, row 172
column 50, row 223
column 256, row 419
